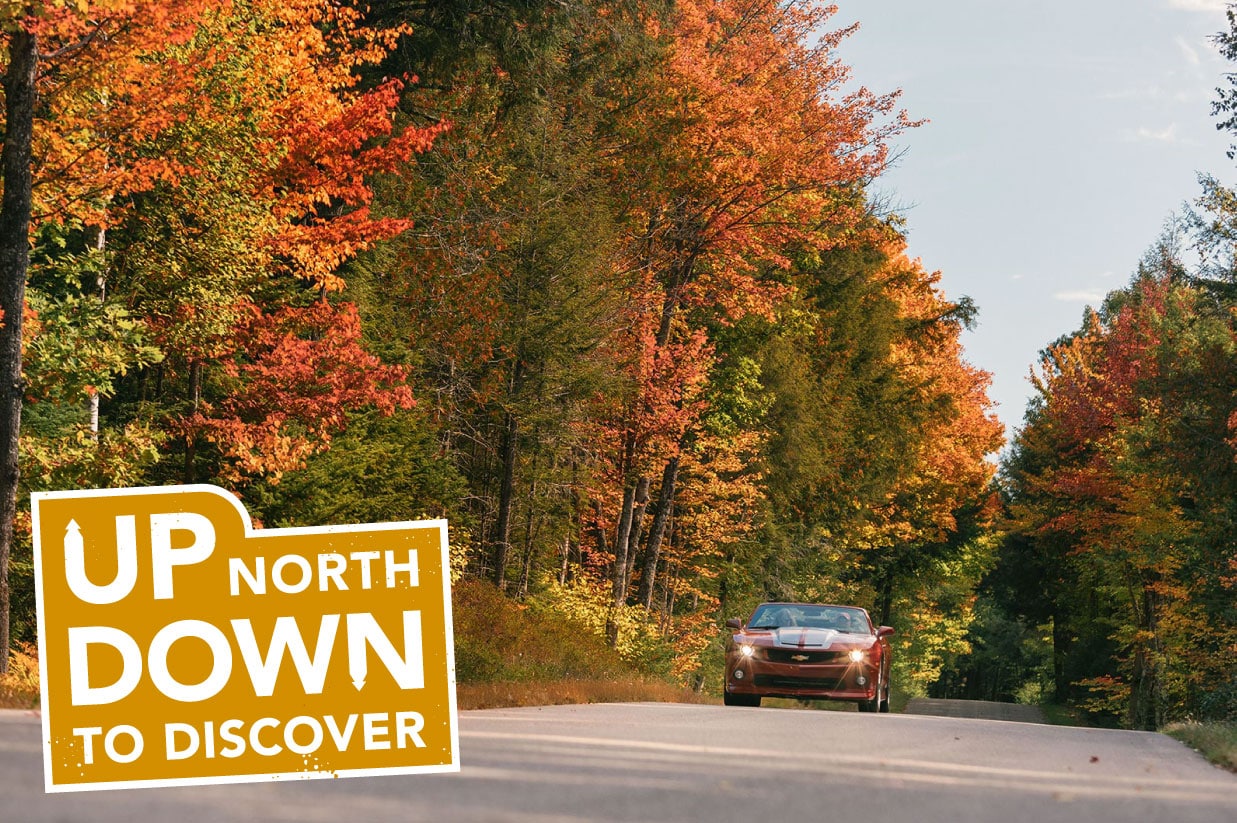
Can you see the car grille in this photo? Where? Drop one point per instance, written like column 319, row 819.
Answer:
column 777, row 681
column 798, row 655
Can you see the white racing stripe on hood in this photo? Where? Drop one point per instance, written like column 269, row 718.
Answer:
column 801, row 637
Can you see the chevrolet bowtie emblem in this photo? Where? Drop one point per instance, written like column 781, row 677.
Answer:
column 799, row 657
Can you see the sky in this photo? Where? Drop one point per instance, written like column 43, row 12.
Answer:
column 1062, row 137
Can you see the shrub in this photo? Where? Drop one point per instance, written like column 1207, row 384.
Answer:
column 19, row 688
column 497, row 640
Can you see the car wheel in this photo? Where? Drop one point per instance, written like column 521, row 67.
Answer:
column 885, row 700
column 740, row 699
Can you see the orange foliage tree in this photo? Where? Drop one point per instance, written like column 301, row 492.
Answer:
column 944, row 473
column 48, row 45
column 746, row 147
column 1130, row 505
column 224, row 150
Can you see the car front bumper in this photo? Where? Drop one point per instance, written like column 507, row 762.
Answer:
column 822, row 681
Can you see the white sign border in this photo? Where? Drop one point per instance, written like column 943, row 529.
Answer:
column 250, row 533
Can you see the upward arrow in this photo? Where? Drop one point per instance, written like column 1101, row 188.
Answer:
column 72, row 537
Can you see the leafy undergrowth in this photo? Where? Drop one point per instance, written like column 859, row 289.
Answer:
column 19, row 688
column 499, row 640
column 1216, row 741
column 898, row 698
column 1060, row 714
column 507, row 654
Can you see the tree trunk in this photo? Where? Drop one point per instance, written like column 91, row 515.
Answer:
column 1144, row 685
column 530, row 533
column 506, row 498
column 92, row 394
column 633, row 534
column 657, row 531
column 1060, row 647
column 885, row 607
column 20, row 100
column 191, row 441
column 620, row 545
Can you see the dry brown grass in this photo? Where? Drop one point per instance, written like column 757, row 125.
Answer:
column 19, row 688
column 559, row 692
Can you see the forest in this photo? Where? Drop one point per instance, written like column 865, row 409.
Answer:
column 605, row 284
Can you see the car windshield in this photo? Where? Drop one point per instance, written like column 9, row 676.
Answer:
column 839, row 618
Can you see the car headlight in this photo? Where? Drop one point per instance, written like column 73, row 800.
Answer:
column 858, row 655
column 747, row 650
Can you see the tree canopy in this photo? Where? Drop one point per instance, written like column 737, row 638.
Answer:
column 601, row 282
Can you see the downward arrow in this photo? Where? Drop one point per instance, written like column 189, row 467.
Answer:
column 405, row 666
column 358, row 664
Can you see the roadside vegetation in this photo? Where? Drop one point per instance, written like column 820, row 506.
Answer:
column 19, row 686
column 1114, row 591
column 610, row 289
column 1215, row 741
column 605, row 287
column 533, row 654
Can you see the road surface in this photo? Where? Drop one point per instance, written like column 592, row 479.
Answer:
column 644, row 762
column 978, row 709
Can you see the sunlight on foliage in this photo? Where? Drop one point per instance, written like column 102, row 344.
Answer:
column 19, row 687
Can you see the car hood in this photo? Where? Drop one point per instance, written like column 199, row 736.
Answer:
column 800, row 637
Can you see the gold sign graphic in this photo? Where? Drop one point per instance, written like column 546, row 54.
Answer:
column 179, row 645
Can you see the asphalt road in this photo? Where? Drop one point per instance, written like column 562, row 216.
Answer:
column 977, row 709
column 653, row 762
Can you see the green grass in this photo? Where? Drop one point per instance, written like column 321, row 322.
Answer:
column 1216, row 741
column 1058, row 714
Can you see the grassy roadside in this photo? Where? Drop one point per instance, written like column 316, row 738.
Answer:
column 1058, row 714
column 1216, row 741
column 505, row 655
column 509, row 655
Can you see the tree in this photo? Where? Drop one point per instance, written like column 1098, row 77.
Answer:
column 41, row 39
column 743, row 148
column 1127, row 507
column 225, row 181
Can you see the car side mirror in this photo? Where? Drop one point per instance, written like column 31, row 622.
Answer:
column 884, row 631
column 734, row 623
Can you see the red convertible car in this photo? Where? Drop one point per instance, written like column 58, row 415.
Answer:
column 808, row 651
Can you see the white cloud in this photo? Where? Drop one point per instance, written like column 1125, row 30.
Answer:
column 1159, row 94
column 1164, row 135
column 1080, row 296
column 1199, row 5
column 1191, row 56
